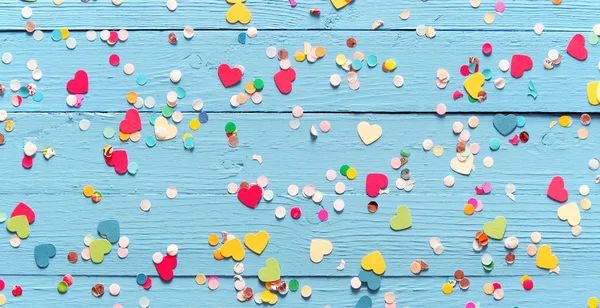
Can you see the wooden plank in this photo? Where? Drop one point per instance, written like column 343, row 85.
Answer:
column 53, row 189
column 418, row 60
column 210, row 14
column 418, row 292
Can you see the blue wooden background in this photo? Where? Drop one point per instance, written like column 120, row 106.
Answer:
column 53, row 188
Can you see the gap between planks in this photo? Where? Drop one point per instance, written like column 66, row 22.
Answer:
column 93, row 112
column 406, row 29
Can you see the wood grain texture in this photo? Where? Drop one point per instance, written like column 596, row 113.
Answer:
column 204, row 206
column 418, row 60
column 210, row 14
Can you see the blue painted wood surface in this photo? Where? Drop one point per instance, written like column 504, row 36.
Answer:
column 203, row 206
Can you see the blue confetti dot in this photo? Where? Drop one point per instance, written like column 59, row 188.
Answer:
column 242, row 38
column 56, row 35
column 132, row 168
column 38, row 96
column 520, row 121
column 494, row 144
column 356, row 64
column 142, row 79
column 150, row 141
column 487, row 74
column 154, row 116
column 203, row 117
column 188, row 143
column 141, row 279
column 372, row 60
column 180, row 92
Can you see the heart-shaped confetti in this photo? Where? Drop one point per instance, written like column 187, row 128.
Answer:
column 23, row 209
column 364, row 302
column 163, row 130
column 238, row 12
column 18, row 225
column 229, row 76
column 79, row 83
column 375, row 182
column 338, row 4
column 576, row 47
column 373, row 262
column 462, row 167
column 43, row 253
column 402, row 220
column 505, row 124
column 257, row 242
column 369, row 133
column 165, row 269
column 519, row 64
column 545, row 259
column 233, row 249
column 110, row 230
column 132, row 122
column 99, row 248
column 319, row 248
column 373, row 281
column 570, row 213
column 474, row 84
column 118, row 160
column 592, row 92
column 556, row 190
column 283, row 80
column 271, row 271
column 495, row 229
column 250, row 196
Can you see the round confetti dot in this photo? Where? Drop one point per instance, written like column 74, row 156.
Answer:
column 447, row 288
column 340, row 188
column 592, row 302
column 306, row 291
column 338, row 205
column 449, row 181
column 504, row 65
column 114, row 289
column 128, row 69
column 91, row 35
column 280, row 212
column 15, row 241
column 268, row 195
column 494, row 144
column 398, row 81
column 438, row 151
column 84, row 125
column 355, row 283
column 323, row 215
column 538, row 29
column 335, row 80
column 143, row 302
column 440, row 109
column 536, row 237
column 172, row 250
column 351, row 173
column 71, row 43
column 582, row 133
column 325, row 126
column 293, row 190
column 38, row 35
column 486, row 48
column 427, row 144
column 213, row 282
column 531, row 250
column 171, row 192
column 584, row 190
column 488, row 18
column 295, row 212
column 585, row 204
column 26, row 12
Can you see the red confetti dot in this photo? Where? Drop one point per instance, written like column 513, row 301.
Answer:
column 496, row 286
column 148, row 284
column 68, row 279
column 27, row 162
column 2, row 284
column 486, row 49
column 114, row 59
column 114, row 37
column 464, row 70
column 295, row 212
column 17, row 291
column 524, row 137
column 528, row 284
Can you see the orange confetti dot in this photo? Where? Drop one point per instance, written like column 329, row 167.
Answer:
column 217, row 254
column 556, row 2
column 213, row 239
column 469, row 209
column 132, row 97
column 320, row 51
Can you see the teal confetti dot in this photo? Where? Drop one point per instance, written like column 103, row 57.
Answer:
column 142, row 79
column 472, row 100
column 487, row 74
column 150, row 141
column 109, row 132
column 188, row 143
column 520, row 121
column 2, row 216
column 372, row 60
column 38, row 96
column 24, row 92
column 242, row 38
column 494, row 144
column 132, row 168
column 472, row 66
column 356, row 64
column 180, row 92
column 153, row 117
column 56, row 35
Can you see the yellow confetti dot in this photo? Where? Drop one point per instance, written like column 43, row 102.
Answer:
column 123, row 137
column 274, row 299
column 88, row 190
column 213, row 239
column 320, row 51
column 592, row 302
column 185, row 136
column 58, row 2
column 65, row 33
column 200, row 279
column 9, row 125
column 389, row 65
column 488, row 288
column 300, row 56
column 351, row 174
column 447, row 288
column 250, row 89
column 564, row 121
column 132, row 97
column 586, row 204
column 489, row 18
column 340, row 59
column 265, row 296
column 438, row 151
column 2, row 299
column 194, row 124
column 525, row 277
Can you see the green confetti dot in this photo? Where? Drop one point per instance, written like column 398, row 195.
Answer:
column 167, row 111
column 294, row 285
column 230, row 127
column 344, row 169
column 109, row 132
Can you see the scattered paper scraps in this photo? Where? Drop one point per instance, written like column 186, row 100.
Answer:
column 319, row 248
column 369, row 133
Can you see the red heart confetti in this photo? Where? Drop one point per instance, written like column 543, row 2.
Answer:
column 576, row 47
column 519, row 64
column 283, row 80
column 79, row 83
column 229, row 76
column 132, row 122
column 250, row 197
column 556, row 190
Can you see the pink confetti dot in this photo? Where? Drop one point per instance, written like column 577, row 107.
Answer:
column 472, row 201
column 440, row 109
column 323, row 215
column 325, row 126
column 500, row 6
column 396, row 163
column 470, row 305
column 479, row 206
column 487, row 187
column 297, row 112
column 486, row 49
column 474, row 147
column 114, row 59
column 464, row 70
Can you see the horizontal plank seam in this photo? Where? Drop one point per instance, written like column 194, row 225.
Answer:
column 283, row 277
column 527, row 113
column 20, row 29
